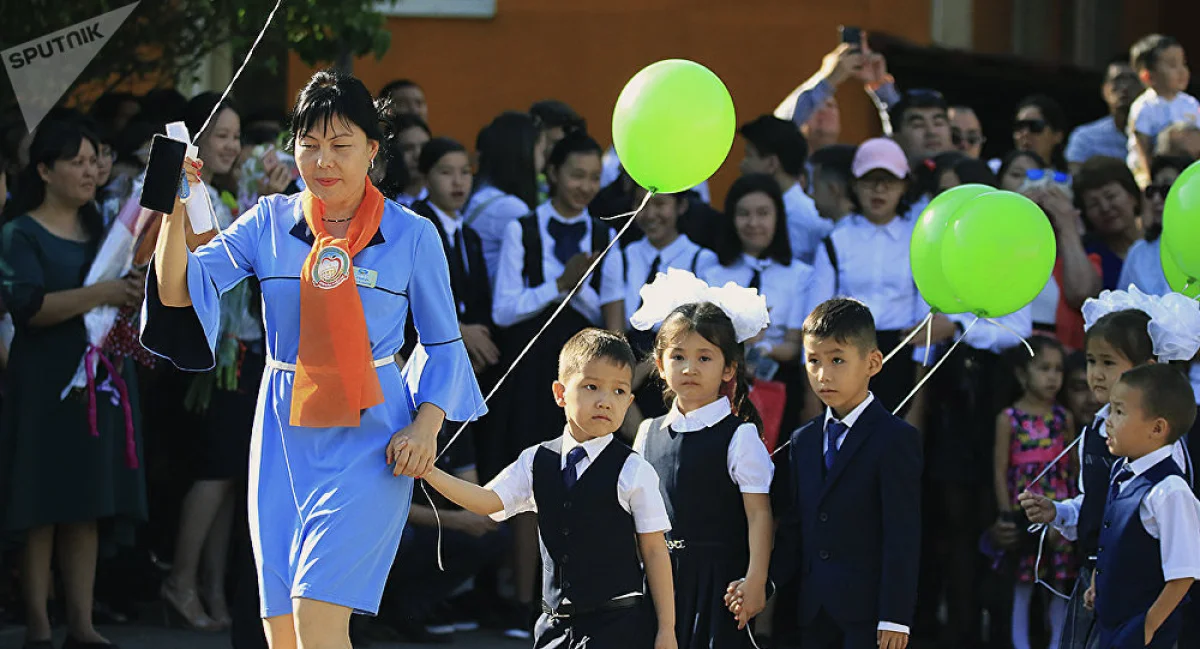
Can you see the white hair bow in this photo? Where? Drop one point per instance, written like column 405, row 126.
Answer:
column 1174, row 319
column 675, row 288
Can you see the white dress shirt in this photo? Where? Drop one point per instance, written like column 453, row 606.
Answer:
column 1171, row 514
column 640, row 255
column 850, row 419
column 747, row 460
column 637, row 484
column 451, row 223
column 806, row 228
column 784, row 288
column 873, row 266
column 488, row 212
column 515, row 302
column 1066, row 513
column 990, row 336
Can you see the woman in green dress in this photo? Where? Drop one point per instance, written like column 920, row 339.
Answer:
column 61, row 479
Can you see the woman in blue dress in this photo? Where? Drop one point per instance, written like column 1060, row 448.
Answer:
column 337, row 420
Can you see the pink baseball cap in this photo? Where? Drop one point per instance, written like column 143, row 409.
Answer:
column 879, row 153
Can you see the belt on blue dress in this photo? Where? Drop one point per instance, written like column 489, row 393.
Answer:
column 291, row 367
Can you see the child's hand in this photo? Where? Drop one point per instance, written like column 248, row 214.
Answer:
column 1005, row 534
column 752, row 599
column 892, row 639
column 665, row 639
column 734, row 595
column 1038, row 509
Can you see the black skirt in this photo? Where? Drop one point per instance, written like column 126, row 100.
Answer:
column 223, row 449
column 701, row 619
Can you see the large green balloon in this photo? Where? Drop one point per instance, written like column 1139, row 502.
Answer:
column 925, row 249
column 998, row 253
column 1179, row 281
column 1181, row 221
column 673, row 125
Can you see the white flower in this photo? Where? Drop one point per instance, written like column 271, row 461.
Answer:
column 746, row 308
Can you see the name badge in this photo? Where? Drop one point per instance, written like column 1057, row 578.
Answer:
column 365, row 277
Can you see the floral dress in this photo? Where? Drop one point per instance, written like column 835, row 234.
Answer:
column 1036, row 441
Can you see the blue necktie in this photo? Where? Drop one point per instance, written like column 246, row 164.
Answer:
column 570, row 472
column 833, row 430
column 566, row 238
column 1122, row 476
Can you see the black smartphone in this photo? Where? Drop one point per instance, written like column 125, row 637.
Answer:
column 850, row 35
column 164, row 172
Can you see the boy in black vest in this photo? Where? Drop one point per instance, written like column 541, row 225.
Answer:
column 1148, row 554
column 598, row 507
column 853, row 532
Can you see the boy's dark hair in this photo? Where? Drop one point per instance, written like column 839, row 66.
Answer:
column 1126, row 332
column 1145, row 53
column 591, row 344
column 833, row 164
column 398, row 84
column 434, row 150
column 1176, row 162
column 1167, row 393
column 844, row 320
column 780, row 138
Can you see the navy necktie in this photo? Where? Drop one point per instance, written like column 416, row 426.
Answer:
column 833, row 430
column 1122, row 476
column 566, row 238
column 571, row 472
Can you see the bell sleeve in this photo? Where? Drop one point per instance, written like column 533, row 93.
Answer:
column 439, row 371
column 187, row 336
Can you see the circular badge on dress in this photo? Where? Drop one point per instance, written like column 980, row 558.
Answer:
column 332, row 267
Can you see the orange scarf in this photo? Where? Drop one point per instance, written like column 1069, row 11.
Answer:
column 335, row 376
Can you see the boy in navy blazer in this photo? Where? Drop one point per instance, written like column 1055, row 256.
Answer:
column 853, row 532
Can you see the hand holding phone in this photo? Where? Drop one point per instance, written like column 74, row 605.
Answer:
column 851, row 35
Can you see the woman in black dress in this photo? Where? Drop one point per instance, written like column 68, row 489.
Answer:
column 59, row 477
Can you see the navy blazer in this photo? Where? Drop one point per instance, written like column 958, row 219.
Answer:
column 853, row 537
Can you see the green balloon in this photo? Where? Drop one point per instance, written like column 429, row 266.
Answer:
column 1179, row 281
column 673, row 125
column 1181, row 221
column 998, row 253
column 925, row 249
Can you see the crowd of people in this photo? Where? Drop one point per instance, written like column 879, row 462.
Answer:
column 135, row 488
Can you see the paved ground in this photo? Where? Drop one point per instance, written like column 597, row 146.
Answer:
column 154, row 637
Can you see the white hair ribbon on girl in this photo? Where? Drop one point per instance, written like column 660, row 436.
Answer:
column 746, row 307
column 1174, row 319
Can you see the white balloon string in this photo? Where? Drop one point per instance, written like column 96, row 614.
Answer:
column 930, row 373
column 562, row 305
column 1037, row 566
column 912, row 334
column 1012, row 331
column 928, row 339
column 1050, row 465
column 438, row 518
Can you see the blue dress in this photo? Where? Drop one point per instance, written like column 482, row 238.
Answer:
column 326, row 513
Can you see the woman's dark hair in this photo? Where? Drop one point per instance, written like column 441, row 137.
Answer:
column 54, row 142
column 711, row 323
column 506, row 156
column 1163, row 162
column 1055, row 118
column 729, row 246
column 200, row 107
column 1100, row 171
column 107, row 106
column 970, row 171
column 1126, row 332
column 575, row 142
column 925, row 175
column 435, row 150
column 164, row 105
column 330, row 94
column 401, row 122
column 1014, row 155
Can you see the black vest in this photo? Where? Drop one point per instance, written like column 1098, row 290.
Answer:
column 1096, row 470
column 589, row 543
column 531, row 239
column 705, row 505
column 1129, row 574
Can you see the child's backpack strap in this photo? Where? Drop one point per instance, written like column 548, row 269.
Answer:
column 531, row 240
column 474, row 213
column 831, row 251
column 696, row 259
